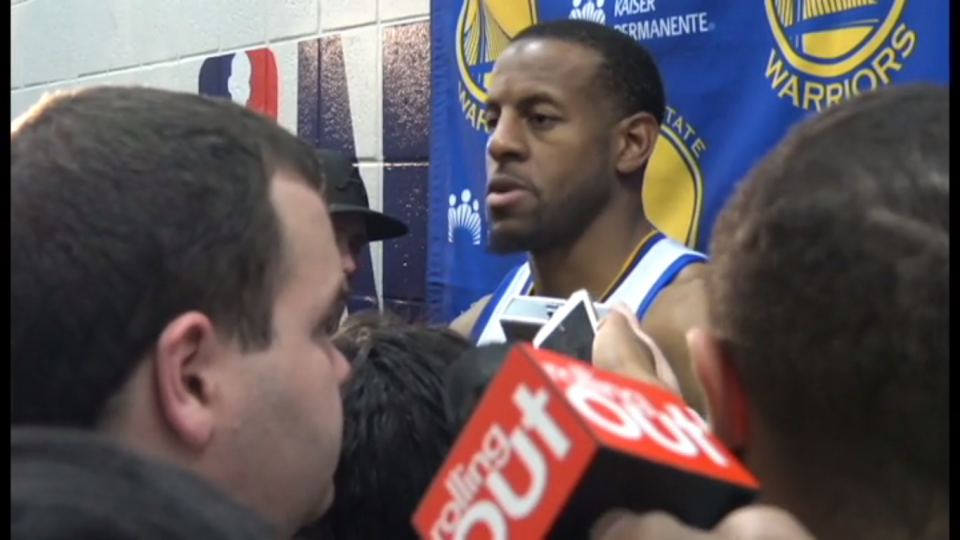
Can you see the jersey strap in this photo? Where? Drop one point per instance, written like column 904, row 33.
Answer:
column 495, row 300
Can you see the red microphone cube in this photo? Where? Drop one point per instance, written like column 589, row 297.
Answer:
column 554, row 444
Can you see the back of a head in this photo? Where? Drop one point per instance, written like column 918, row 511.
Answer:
column 468, row 378
column 628, row 72
column 830, row 288
column 69, row 485
column 127, row 206
column 395, row 430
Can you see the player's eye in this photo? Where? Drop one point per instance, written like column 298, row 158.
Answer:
column 542, row 121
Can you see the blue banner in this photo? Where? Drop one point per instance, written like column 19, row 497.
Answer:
column 737, row 75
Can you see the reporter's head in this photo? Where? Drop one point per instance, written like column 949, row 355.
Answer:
column 396, row 434
column 827, row 362
column 171, row 273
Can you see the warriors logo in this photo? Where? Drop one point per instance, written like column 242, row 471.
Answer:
column 484, row 29
column 828, row 50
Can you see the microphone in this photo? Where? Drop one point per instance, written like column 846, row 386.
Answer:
column 554, row 444
column 570, row 329
column 525, row 316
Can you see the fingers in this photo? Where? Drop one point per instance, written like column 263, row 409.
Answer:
column 762, row 523
column 621, row 525
column 622, row 346
column 617, row 348
column 749, row 523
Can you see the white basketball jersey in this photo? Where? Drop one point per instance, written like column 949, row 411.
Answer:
column 653, row 266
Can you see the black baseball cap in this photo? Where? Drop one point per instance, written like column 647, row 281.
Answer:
column 346, row 194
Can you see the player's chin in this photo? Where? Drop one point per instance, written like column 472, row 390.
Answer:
column 508, row 235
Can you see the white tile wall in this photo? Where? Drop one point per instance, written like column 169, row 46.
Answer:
column 64, row 44
column 58, row 44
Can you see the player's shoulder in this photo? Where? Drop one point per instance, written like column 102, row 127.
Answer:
column 686, row 291
column 695, row 261
column 465, row 322
column 683, row 300
column 694, row 272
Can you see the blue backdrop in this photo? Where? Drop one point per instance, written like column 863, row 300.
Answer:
column 737, row 75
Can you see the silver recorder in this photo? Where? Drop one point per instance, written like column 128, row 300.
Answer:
column 525, row 315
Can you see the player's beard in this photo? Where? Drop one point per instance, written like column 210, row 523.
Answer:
column 554, row 224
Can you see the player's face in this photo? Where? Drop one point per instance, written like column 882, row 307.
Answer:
column 549, row 158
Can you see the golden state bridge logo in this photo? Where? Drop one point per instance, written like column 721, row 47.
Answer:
column 829, row 50
column 673, row 188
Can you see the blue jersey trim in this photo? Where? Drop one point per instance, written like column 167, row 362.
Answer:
column 666, row 278
column 481, row 324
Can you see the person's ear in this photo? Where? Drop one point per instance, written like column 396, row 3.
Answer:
column 183, row 363
column 726, row 402
column 638, row 137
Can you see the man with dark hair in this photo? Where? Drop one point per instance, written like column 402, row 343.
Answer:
column 354, row 222
column 826, row 360
column 395, row 431
column 70, row 484
column 173, row 279
column 575, row 109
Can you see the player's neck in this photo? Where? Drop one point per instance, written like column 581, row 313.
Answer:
column 594, row 260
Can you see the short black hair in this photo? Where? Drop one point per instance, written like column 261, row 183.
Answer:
column 131, row 206
column 67, row 484
column 396, row 435
column 469, row 376
column 627, row 68
column 829, row 287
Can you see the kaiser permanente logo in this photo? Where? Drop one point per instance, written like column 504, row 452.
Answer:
column 463, row 216
column 826, row 51
column 674, row 184
column 642, row 20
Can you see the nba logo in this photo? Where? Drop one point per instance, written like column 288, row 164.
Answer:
column 248, row 78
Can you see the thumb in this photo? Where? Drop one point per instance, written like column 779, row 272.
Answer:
column 617, row 348
column 661, row 366
column 761, row 522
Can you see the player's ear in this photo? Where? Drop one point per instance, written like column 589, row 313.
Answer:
column 638, row 136
column 723, row 388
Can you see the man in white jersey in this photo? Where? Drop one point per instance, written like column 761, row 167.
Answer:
column 574, row 109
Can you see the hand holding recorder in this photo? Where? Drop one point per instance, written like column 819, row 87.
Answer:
column 615, row 343
column 622, row 346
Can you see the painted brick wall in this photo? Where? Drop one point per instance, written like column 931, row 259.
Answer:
column 349, row 75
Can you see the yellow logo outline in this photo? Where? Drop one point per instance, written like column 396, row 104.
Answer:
column 677, row 221
column 476, row 90
column 831, row 70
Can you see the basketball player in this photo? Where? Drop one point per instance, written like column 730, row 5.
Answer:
column 574, row 110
